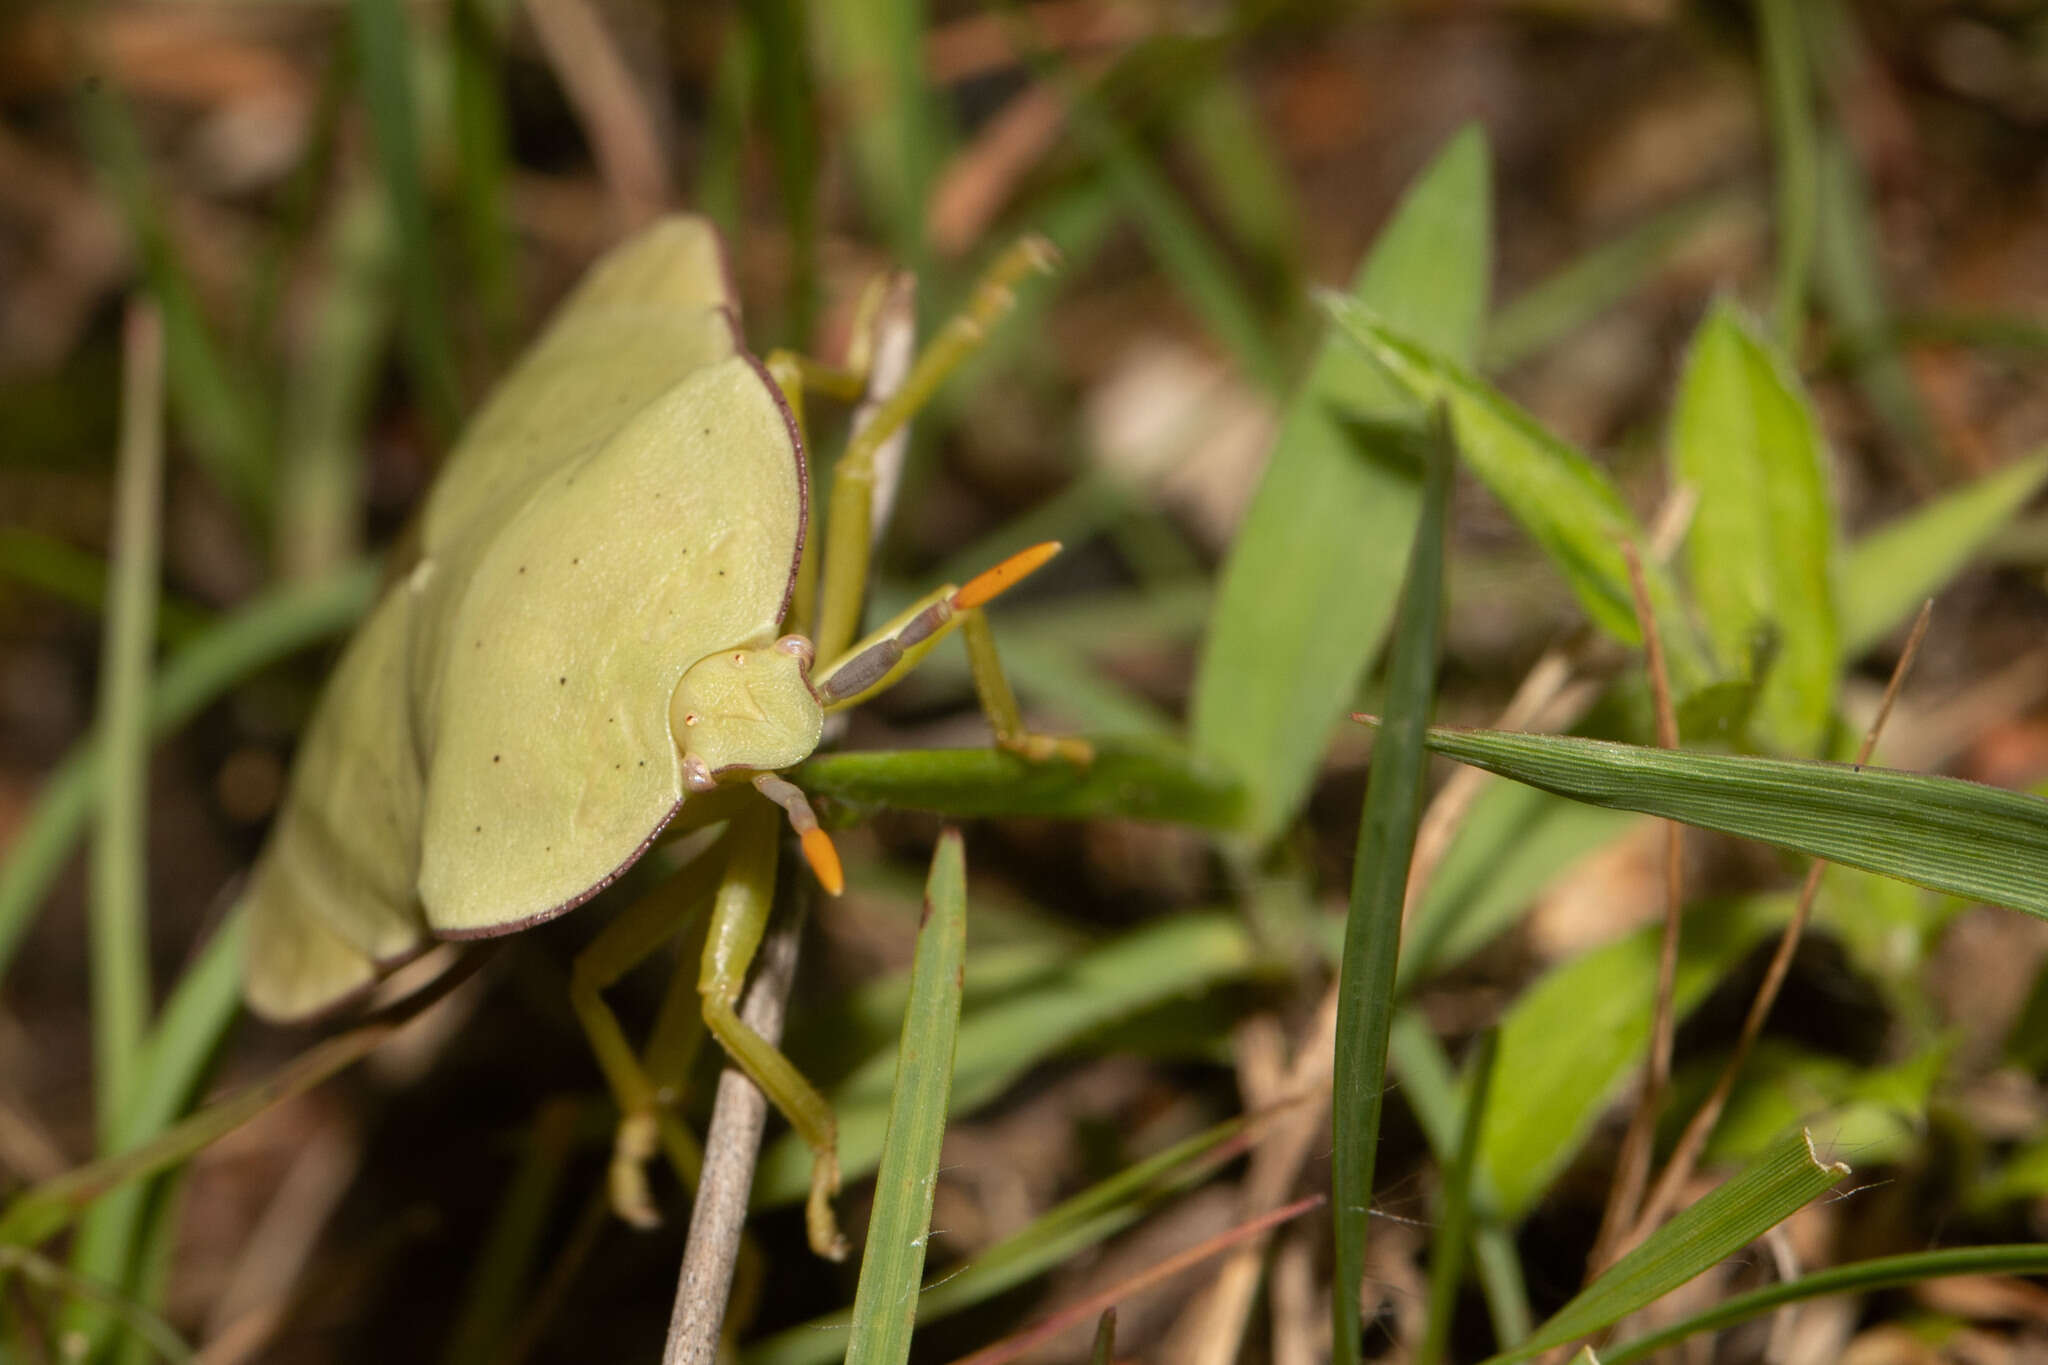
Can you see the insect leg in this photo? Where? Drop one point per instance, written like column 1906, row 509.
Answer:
column 646, row 1121
column 850, row 527
column 739, row 918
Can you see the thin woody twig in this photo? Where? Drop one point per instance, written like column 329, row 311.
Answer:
column 1632, row 1165
column 731, row 1146
column 1685, row 1156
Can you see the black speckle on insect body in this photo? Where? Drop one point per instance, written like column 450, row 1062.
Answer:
column 564, row 681
column 496, row 757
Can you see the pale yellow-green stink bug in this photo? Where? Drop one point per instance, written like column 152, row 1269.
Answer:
column 597, row 643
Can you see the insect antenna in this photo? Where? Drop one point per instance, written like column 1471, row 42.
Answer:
column 817, row 845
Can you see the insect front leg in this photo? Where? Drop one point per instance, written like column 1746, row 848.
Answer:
column 739, row 918
column 647, row 1121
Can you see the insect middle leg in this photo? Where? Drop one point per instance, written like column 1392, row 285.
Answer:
column 646, row 1094
column 738, row 920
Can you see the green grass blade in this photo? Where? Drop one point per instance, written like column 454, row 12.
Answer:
column 789, row 116
column 1004, row 1038
column 1888, row 573
column 1052, row 1239
column 1790, row 100
column 74, row 576
column 1601, row 277
column 1454, row 1221
column 215, row 406
column 119, row 910
column 1762, row 540
column 281, row 622
column 483, row 162
column 891, row 1267
column 1379, row 885
column 1970, row 840
column 492, row 1297
column 1244, row 175
column 1309, row 588
column 873, row 59
column 1104, row 1352
column 1128, row 778
column 382, row 48
column 1567, row 506
column 1858, row 1277
column 1733, row 1216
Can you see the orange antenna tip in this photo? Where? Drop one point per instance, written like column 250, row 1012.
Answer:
column 991, row 583
column 824, row 860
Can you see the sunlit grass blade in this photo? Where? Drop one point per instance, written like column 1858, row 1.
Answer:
column 1310, row 584
column 1970, row 840
column 886, row 1301
column 1007, row 1036
column 1733, row 1216
column 1858, row 1277
column 1455, row 1217
column 264, row 630
column 1564, row 502
column 1128, row 778
column 1379, row 885
column 382, row 37
column 1889, row 572
column 1761, row 546
column 1601, row 277
column 1052, row 1239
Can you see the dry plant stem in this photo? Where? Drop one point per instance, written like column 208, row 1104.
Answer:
column 731, row 1146
column 616, row 117
column 1301, row 1324
column 1632, row 1165
column 1685, row 1156
column 1013, row 1347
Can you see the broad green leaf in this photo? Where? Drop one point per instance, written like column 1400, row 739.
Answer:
column 1979, row 842
column 1572, row 1040
column 1560, row 497
column 1054, row 1238
column 1889, row 572
column 1876, row 1113
column 1129, row 779
column 1308, row 590
column 1761, row 546
column 1858, row 1277
column 1008, row 1036
column 885, row 1303
column 1724, row 1222
column 1379, row 885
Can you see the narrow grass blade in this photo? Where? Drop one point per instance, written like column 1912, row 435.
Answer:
column 1733, row 1216
column 279, row 623
column 1054, row 1238
column 1889, row 572
column 74, row 576
column 1970, row 840
column 873, row 57
column 885, row 1303
column 1241, row 169
column 216, row 407
column 1379, row 885
column 1454, row 1220
column 1789, row 97
column 1762, row 540
column 1309, row 588
column 119, row 910
column 1128, row 778
column 1105, row 1340
column 1601, row 277
column 382, row 42
column 1859, row 1277
column 1006, row 1037
column 1560, row 497
column 483, row 163
column 789, row 105
column 1571, row 1041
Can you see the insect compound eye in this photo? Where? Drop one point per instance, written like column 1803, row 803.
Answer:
column 697, row 774
column 797, row 647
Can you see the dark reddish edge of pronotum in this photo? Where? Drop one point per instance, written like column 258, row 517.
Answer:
column 803, row 477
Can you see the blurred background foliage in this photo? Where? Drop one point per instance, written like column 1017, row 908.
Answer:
column 1832, row 217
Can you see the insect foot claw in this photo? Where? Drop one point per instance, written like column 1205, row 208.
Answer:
column 1038, row 748
column 826, row 1238
column 632, row 1148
